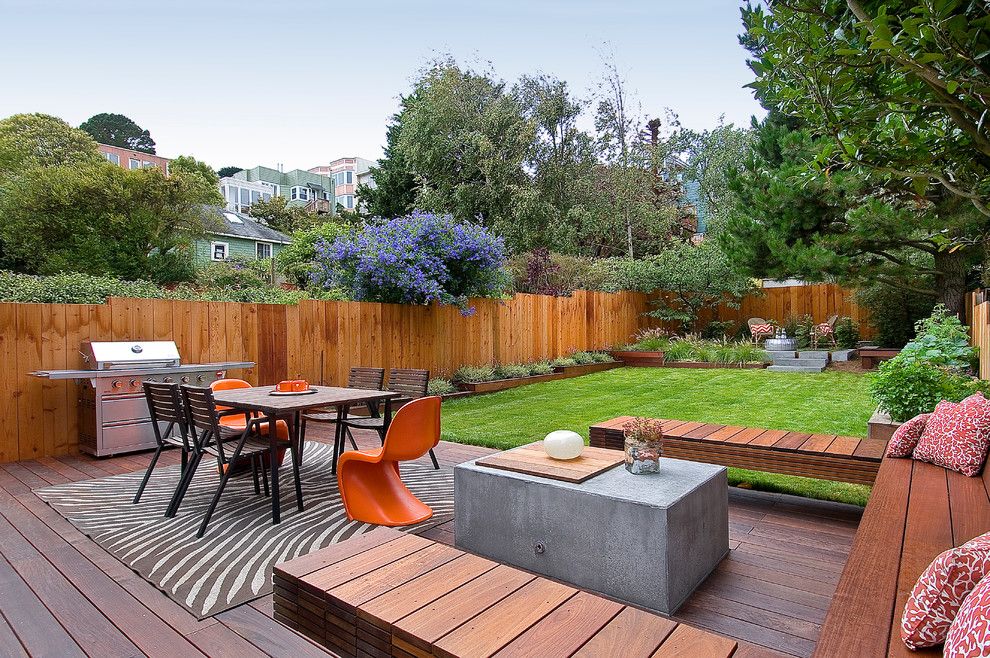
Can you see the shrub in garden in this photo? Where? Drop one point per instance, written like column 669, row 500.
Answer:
column 717, row 329
column 582, row 358
column 893, row 312
column 602, row 357
column 563, row 362
column 72, row 288
column 440, row 386
column 935, row 366
column 540, row 368
column 511, row 371
column 418, row 259
column 474, row 374
column 846, row 333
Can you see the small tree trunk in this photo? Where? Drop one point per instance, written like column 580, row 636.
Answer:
column 950, row 279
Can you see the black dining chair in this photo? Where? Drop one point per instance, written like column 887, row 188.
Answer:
column 411, row 384
column 366, row 378
column 166, row 409
column 228, row 445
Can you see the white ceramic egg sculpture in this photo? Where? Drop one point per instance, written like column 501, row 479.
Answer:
column 563, row 444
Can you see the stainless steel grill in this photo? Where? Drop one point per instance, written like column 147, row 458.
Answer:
column 113, row 413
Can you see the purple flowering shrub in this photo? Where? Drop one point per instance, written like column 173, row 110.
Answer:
column 417, row 259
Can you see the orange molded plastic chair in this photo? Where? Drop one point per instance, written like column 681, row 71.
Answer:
column 369, row 480
column 238, row 421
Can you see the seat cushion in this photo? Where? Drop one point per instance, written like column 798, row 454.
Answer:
column 906, row 437
column 956, row 435
column 941, row 590
column 969, row 632
column 761, row 329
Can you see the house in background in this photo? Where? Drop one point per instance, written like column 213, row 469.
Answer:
column 311, row 190
column 130, row 159
column 239, row 236
column 346, row 174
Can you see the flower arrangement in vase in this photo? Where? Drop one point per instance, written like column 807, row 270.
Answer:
column 643, row 445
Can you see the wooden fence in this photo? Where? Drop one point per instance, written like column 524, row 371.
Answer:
column 319, row 341
column 978, row 318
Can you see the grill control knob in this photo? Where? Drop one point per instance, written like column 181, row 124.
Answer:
column 185, row 380
column 200, row 378
column 116, row 383
column 167, row 380
column 135, row 382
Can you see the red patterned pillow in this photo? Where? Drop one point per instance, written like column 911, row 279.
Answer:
column 939, row 593
column 761, row 329
column 956, row 436
column 824, row 329
column 969, row 633
column 906, row 437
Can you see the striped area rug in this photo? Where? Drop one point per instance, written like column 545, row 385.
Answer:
column 232, row 563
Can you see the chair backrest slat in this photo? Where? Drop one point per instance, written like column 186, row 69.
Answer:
column 410, row 382
column 367, row 378
column 164, row 403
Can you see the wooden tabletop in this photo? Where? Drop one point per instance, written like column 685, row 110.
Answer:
column 259, row 398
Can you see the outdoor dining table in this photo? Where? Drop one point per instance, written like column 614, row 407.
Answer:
column 290, row 407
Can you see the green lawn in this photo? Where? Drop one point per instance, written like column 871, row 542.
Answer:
column 828, row 403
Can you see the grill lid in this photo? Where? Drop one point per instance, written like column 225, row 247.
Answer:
column 110, row 355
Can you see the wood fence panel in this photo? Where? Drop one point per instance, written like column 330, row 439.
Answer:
column 978, row 317
column 322, row 340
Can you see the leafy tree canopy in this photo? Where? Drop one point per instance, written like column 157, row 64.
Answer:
column 39, row 140
column 97, row 218
column 276, row 213
column 201, row 175
column 229, row 170
column 118, row 130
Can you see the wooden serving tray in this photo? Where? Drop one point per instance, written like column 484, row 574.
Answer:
column 532, row 460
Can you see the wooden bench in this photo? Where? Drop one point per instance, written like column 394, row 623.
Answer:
column 388, row 593
column 915, row 512
column 821, row 456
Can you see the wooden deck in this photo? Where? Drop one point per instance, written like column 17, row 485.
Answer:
column 64, row 595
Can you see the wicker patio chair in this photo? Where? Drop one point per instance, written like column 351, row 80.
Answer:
column 760, row 329
column 824, row 330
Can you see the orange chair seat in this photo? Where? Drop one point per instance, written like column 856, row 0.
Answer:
column 370, row 482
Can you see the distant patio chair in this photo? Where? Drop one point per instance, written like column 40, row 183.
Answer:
column 411, row 384
column 760, row 329
column 825, row 330
column 366, row 378
column 370, row 483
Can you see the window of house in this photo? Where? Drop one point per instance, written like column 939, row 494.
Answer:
column 347, row 201
column 245, row 197
column 147, row 165
column 219, row 250
column 113, row 157
column 264, row 250
column 350, row 177
column 134, row 164
column 300, row 193
column 232, row 218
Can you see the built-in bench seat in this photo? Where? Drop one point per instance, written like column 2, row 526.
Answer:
column 389, row 593
column 915, row 512
column 821, row 456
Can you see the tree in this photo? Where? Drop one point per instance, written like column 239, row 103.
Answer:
column 712, row 155
column 39, row 140
column 692, row 278
column 791, row 220
column 225, row 172
column 899, row 86
column 118, row 130
column 298, row 259
column 465, row 141
column 97, row 218
column 200, row 175
column 276, row 213
column 394, row 193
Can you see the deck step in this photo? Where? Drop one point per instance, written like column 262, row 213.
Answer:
column 810, row 363
column 776, row 368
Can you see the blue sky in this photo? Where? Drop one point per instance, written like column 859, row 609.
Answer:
column 302, row 83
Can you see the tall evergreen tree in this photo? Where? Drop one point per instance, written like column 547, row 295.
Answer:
column 394, row 192
column 118, row 130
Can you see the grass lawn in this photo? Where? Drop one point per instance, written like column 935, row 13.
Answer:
column 827, row 403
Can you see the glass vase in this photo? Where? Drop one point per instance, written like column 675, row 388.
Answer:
column 642, row 455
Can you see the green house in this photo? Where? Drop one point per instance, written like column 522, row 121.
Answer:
column 301, row 188
column 235, row 235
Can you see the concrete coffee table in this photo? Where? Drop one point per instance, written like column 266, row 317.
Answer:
column 649, row 540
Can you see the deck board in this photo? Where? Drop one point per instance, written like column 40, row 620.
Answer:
column 778, row 542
